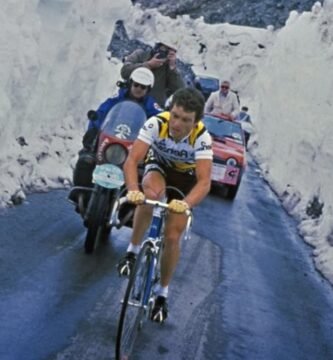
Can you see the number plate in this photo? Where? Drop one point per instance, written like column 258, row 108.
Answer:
column 108, row 176
column 225, row 174
column 218, row 172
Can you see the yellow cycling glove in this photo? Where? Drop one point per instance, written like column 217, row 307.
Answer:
column 178, row 206
column 136, row 197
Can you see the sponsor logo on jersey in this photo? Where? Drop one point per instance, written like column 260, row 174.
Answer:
column 165, row 146
column 205, row 146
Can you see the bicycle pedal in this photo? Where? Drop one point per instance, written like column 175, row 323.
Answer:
column 159, row 317
column 125, row 270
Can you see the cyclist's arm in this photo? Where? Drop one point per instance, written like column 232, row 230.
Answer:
column 135, row 156
column 202, row 187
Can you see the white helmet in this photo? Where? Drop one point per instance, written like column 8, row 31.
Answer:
column 143, row 76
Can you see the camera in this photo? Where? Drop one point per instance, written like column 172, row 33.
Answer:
column 162, row 54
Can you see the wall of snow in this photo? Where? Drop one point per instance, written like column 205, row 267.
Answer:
column 53, row 68
column 294, row 125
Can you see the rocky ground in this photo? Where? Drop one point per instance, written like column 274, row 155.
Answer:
column 255, row 13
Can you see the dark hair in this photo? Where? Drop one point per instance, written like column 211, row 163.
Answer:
column 244, row 108
column 190, row 100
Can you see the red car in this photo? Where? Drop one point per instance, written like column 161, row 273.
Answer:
column 229, row 160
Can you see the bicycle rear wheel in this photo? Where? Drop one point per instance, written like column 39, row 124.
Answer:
column 135, row 303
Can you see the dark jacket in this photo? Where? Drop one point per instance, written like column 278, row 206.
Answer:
column 148, row 103
column 167, row 81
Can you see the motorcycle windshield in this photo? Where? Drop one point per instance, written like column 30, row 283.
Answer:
column 124, row 120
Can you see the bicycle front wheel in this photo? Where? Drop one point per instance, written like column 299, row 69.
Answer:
column 135, row 303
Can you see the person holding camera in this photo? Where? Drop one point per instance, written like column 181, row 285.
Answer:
column 161, row 60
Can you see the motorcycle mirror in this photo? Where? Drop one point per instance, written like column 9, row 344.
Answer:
column 92, row 115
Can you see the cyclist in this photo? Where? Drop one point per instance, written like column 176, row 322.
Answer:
column 177, row 151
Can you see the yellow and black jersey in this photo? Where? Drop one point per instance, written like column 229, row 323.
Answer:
column 181, row 155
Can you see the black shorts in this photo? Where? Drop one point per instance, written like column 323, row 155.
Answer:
column 181, row 181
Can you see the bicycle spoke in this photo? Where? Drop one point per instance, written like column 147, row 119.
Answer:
column 131, row 326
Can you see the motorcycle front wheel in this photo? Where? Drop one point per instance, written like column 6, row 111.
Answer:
column 96, row 222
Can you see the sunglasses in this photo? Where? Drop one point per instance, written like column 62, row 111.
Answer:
column 143, row 87
column 224, row 87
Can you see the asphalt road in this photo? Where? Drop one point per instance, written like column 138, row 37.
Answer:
column 245, row 288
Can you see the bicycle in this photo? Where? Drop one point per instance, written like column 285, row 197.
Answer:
column 139, row 298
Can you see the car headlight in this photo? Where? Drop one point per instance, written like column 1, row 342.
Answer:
column 115, row 154
column 232, row 162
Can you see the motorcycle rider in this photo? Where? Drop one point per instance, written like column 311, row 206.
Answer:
column 137, row 88
column 245, row 119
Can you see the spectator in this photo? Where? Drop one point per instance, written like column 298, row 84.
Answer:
column 161, row 60
column 246, row 122
column 223, row 102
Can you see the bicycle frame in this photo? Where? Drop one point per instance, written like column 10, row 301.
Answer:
column 155, row 243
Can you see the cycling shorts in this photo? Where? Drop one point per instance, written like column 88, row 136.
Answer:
column 181, row 181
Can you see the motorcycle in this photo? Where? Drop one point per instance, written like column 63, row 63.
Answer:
column 97, row 203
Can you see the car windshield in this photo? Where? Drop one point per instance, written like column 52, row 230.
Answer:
column 209, row 83
column 219, row 128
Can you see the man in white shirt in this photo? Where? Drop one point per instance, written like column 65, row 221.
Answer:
column 223, row 102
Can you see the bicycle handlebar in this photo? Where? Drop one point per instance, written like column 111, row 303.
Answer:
column 154, row 203
column 163, row 205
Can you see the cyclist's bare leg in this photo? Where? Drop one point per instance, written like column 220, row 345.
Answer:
column 154, row 188
column 174, row 228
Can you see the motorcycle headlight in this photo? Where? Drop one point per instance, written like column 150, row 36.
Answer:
column 232, row 162
column 115, row 154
